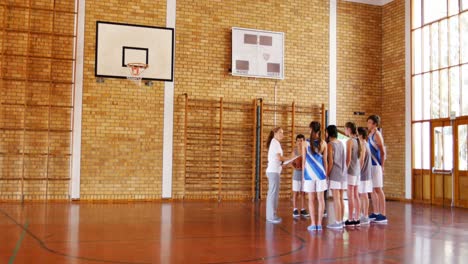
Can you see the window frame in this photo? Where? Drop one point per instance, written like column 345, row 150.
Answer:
column 448, row 68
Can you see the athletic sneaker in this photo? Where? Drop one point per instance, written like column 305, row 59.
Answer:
column 319, row 228
column 357, row 223
column 295, row 213
column 312, row 228
column 274, row 221
column 364, row 220
column 372, row 217
column 349, row 223
column 337, row 225
column 304, row 213
column 381, row 219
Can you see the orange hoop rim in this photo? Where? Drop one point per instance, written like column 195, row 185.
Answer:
column 136, row 69
column 137, row 65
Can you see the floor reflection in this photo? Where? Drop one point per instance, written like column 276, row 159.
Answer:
column 211, row 232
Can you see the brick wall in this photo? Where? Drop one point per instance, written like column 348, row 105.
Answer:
column 359, row 61
column 36, row 63
column 122, row 123
column 393, row 105
column 203, row 57
column 371, row 71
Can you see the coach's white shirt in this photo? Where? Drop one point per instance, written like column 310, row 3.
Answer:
column 274, row 164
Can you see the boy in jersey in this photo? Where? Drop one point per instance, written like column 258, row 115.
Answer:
column 376, row 145
column 297, row 183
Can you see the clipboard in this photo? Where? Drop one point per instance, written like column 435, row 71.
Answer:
column 291, row 160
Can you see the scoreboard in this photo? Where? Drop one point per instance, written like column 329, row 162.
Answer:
column 257, row 53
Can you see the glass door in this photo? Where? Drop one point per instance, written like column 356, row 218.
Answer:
column 421, row 170
column 461, row 163
column 442, row 154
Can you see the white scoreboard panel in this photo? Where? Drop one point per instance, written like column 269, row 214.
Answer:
column 257, row 53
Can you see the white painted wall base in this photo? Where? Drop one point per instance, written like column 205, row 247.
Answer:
column 78, row 102
column 168, row 135
column 408, row 131
column 332, row 65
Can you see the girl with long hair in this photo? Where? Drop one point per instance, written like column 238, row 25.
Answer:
column 336, row 173
column 315, row 174
column 273, row 171
column 365, row 182
column 353, row 153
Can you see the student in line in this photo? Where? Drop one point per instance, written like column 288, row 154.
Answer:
column 336, row 173
column 297, row 183
column 353, row 151
column 273, row 171
column 376, row 145
column 315, row 174
column 365, row 182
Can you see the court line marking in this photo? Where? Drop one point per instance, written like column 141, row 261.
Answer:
column 45, row 247
column 370, row 253
column 18, row 244
column 258, row 220
column 147, row 239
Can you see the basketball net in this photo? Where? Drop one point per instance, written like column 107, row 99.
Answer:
column 136, row 70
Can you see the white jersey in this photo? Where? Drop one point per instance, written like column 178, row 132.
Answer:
column 274, row 164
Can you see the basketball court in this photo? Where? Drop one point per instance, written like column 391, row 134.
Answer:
column 140, row 132
column 227, row 232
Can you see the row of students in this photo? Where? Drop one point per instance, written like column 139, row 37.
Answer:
column 320, row 160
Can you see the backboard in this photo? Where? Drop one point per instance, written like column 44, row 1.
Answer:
column 119, row 44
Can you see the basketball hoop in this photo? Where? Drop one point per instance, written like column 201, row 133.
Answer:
column 136, row 69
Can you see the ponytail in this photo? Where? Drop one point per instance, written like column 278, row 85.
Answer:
column 270, row 138
column 363, row 133
column 315, row 128
column 272, row 135
column 359, row 148
column 353, row 129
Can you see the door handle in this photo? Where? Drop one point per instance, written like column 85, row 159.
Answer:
column 444, row 172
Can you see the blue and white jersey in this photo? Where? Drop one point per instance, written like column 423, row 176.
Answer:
column 375, row 151
column 314, row 169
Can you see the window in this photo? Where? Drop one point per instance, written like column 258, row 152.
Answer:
column 464, row 37
column 464, row 91
column 439, row 69
column 443, row 152
column 434, row 10
column 421, row 143
column 440, row 56
column 463, row 145
column 452, row 7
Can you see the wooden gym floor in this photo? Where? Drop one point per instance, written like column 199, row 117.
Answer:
column 226, row 232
